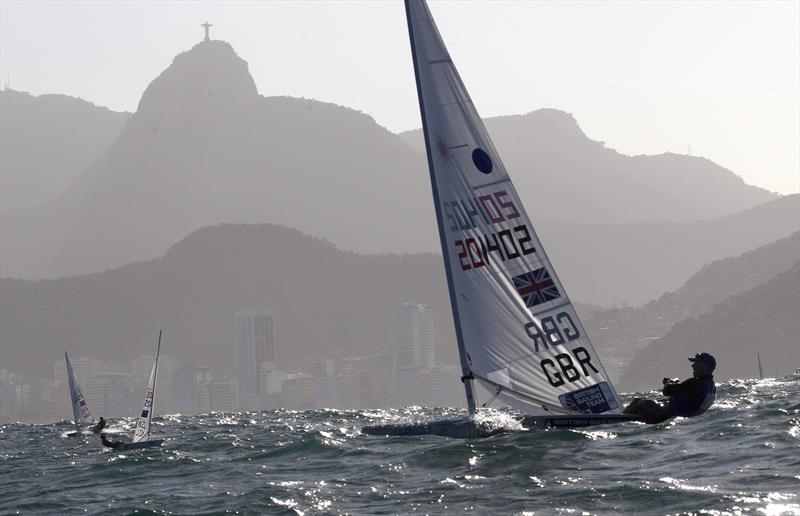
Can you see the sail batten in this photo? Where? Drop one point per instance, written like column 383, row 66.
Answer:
column 501, row 390
column 516, row 327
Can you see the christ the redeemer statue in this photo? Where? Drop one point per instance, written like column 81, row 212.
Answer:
column 207, row 26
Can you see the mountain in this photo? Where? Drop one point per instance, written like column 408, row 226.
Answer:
column 725, row 277
column 204, row 147
column 609, row 264
column 764, row 319
column 327, row 302
column 623, row 331
column 564, row 175
column 48, row 141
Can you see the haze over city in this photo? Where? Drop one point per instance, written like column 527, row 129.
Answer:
column 282, row 257
column 205, row 140
column 211, row 143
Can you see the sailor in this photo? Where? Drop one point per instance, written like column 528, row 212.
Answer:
column 110, row 444
column 99, row 426
column 688, row 398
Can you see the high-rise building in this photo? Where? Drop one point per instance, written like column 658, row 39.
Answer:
column 142, row 366
column 373, row 373
column 255, row 351
column 299, row 391
column 108, row 395
column 349, row 391
column 319, row 367
column 8, row 398
column 413, row 336
column 222, row 395
column 447, row 390
column 326, row 392
column 412, row 386
column 270, row 382
column 190, row 390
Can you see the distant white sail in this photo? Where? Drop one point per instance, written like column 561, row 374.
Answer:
column 518, row 332
column 142, row 430
column 760, row 370
column 80, row 410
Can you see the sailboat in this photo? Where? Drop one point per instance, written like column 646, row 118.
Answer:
column 760, row 369
column 518, row 333
column 80, row 410
column 141, row 434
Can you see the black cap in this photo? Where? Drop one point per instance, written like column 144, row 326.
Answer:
column 705, row 358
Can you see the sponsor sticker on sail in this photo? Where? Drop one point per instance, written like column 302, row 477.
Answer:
column 594, row 399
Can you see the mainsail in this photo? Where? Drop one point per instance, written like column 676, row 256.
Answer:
column 80, row 410
column 142, row 431
column 760, row 369
column 518, row 332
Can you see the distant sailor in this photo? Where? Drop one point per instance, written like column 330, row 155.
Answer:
column 99, row 426
column 110, row 444
column 689, row 398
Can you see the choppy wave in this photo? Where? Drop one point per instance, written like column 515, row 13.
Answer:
column 741, row 457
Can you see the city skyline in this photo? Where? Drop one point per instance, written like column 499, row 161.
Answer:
column 406, row 374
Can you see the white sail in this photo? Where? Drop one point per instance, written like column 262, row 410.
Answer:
column 518, row 332
column 760, row 369
column 80, row 410
column 142, row 430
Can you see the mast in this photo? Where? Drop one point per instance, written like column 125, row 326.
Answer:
column 466, row 373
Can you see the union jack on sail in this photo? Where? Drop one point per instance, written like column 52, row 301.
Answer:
column 536, row 287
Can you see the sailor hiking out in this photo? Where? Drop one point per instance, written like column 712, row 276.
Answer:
column 688, row 398
column 99, row 426
column 110, row 444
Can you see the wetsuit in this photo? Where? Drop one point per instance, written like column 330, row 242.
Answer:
column 691, row 397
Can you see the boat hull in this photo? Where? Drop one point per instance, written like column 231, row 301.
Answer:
column 579, row 421
column 456, row 428
column 469, row 429
column 140, row 445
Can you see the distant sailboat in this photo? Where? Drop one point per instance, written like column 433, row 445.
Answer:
column 141, row 434
column 760, row 370
column 518, row 333
column 80, row 410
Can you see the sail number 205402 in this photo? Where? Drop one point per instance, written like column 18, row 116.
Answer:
column 475, row 252
column 487, row 241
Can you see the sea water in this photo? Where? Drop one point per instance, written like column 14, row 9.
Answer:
column 740, row 457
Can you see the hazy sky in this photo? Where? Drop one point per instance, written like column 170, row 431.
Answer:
column 645, row 77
